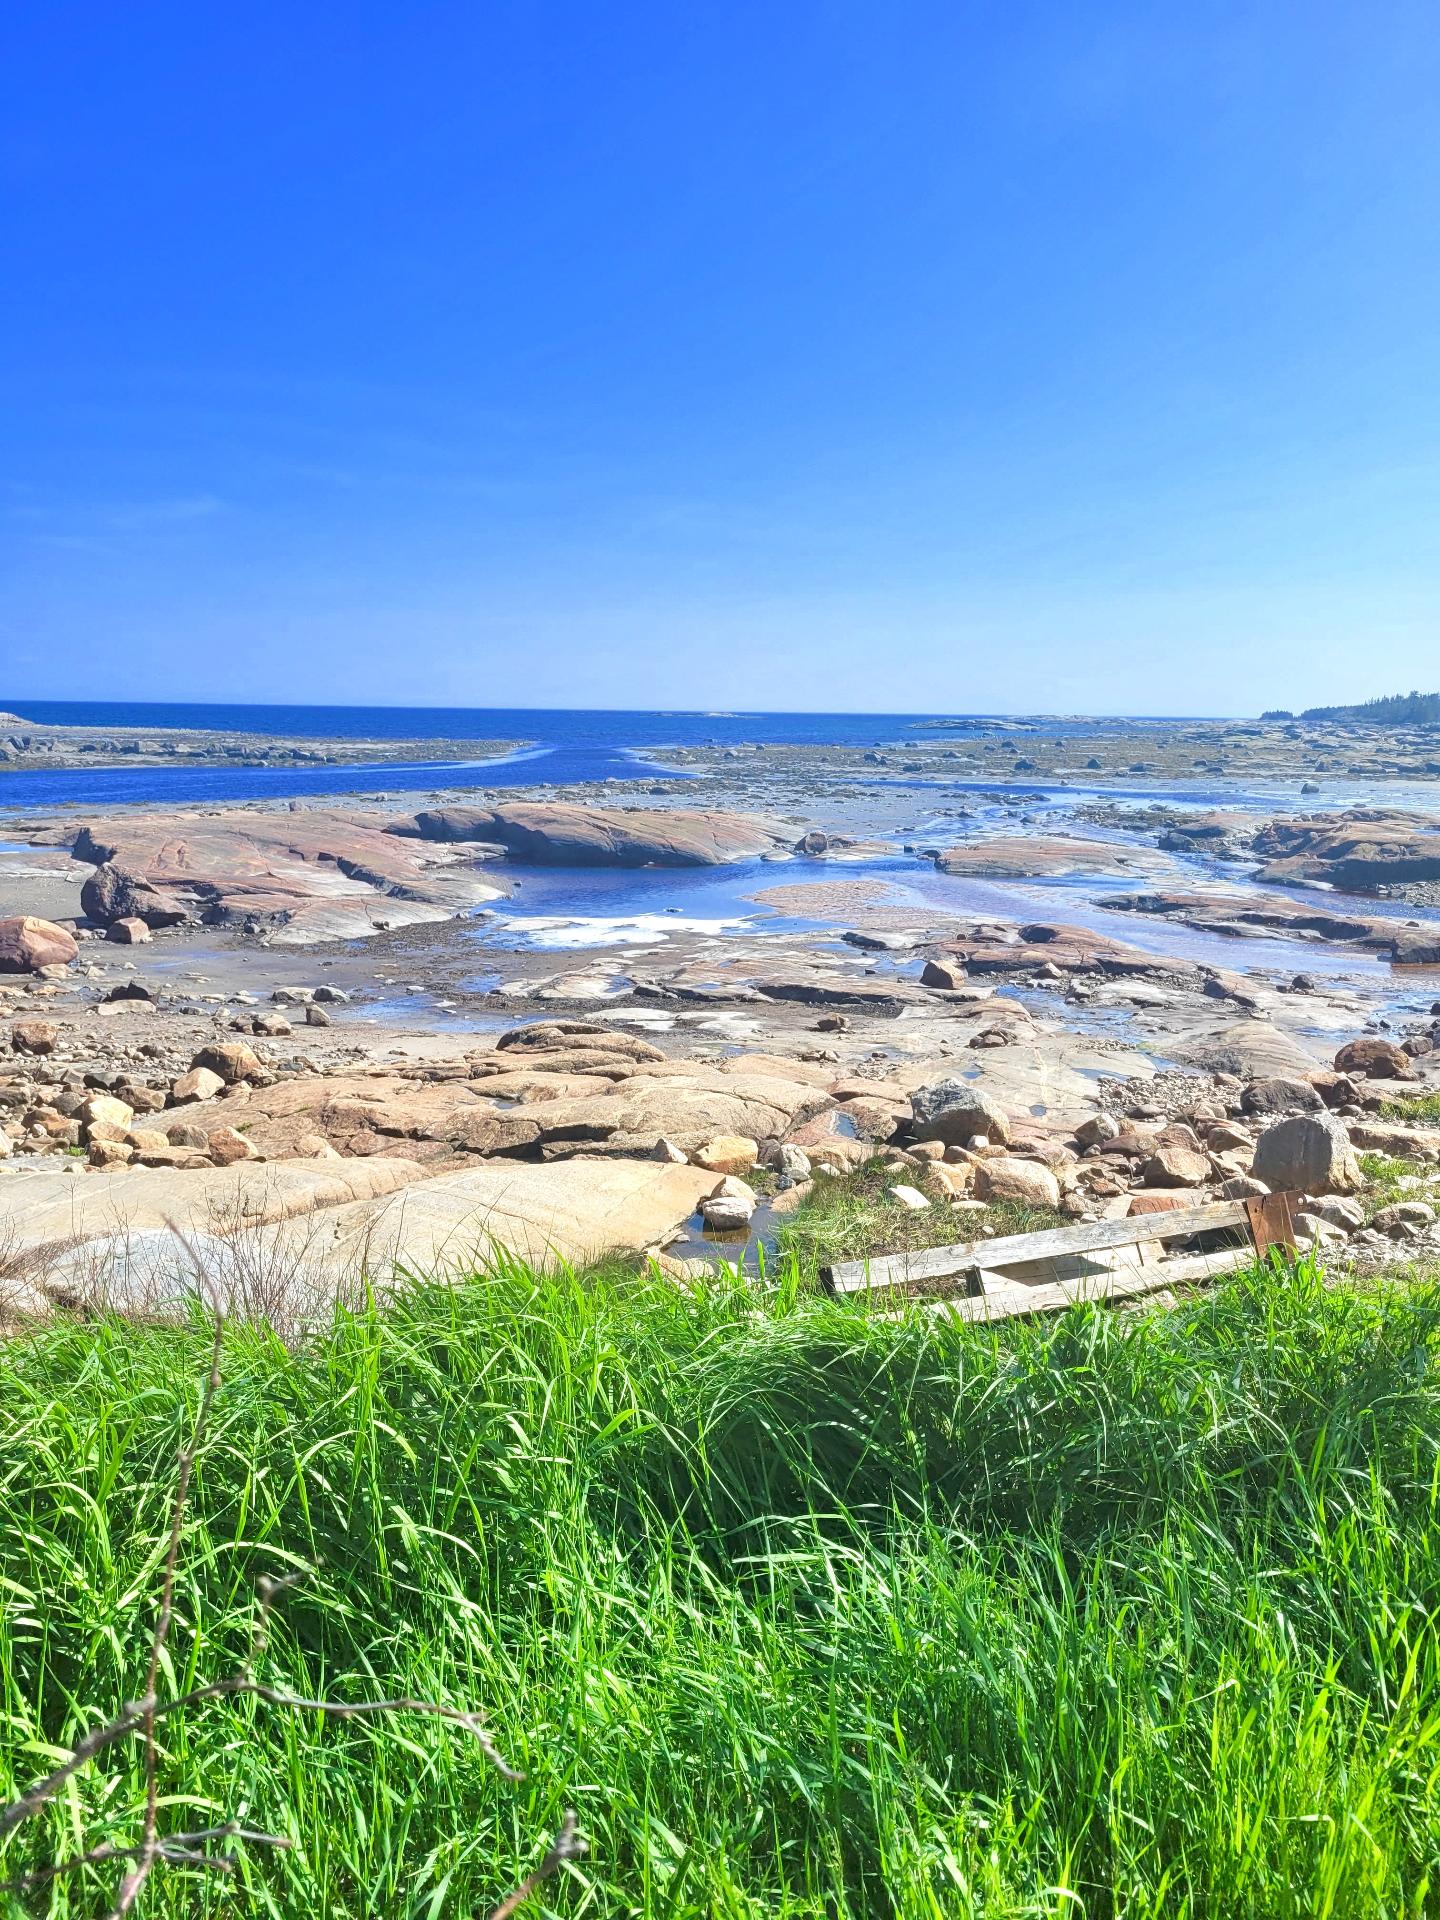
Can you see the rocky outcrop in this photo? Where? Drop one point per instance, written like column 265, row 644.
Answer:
column 1023, row 857
column 1254, row 915
column 302, row 876
column 285, row 1241
column 1366, row 849
column 28, row 944
column 1044, row 947
column 570, row 836
column 549, row 1091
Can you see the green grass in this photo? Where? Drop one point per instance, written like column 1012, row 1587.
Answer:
column 852, row 1217
column 807, row 1613
column 1388, row 1180
column 1424, row 1107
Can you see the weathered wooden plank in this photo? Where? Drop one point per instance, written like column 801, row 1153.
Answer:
column 1013, row 1302
column 940, row 1263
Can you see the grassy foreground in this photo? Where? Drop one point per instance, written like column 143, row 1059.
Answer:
column 805, row 1613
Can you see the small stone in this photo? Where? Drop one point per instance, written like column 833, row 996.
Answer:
column 200, row 1083
column 36, row 1037
column 1336, row 1211
column 226, row 1147
column 1241, row 1186
column 727, row 1153
column 109, row 1153
column 667, row 1151
column 1280, row 1095
column 1160, row 1201
column 1175, row 1166
column 1404, row 1214
column 105, row 1107
column 724, row 1213
column 130, row 931
column 232, row 1060
column 1098, row 1130
column 910, row 1198
column 1024, row 1181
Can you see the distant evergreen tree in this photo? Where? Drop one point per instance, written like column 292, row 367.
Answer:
column 1395, row 710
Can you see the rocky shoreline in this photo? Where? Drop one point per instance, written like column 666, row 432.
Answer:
column 25, row 744
column 217, row 998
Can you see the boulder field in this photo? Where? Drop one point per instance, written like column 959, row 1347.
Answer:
column 567, row 1140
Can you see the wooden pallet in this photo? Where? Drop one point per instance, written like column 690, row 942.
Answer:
column 1100, row 1260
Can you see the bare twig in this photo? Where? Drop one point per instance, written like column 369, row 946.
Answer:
column 180, row 1847
column 567, row 1845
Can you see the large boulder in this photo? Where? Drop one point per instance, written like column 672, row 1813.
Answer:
column 1280, row 1094
column 1375, row 1058
column 955, row 1111
column 129, row 931
column 28, row 944
column 1310, row 1153
column 113, row 893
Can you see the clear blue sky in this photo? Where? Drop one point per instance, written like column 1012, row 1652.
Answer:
column 960, row 355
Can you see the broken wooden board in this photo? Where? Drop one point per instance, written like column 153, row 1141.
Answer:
column 943, row 1263
column 1018, row 1300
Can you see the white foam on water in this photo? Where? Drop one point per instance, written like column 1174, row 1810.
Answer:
column 561, row 932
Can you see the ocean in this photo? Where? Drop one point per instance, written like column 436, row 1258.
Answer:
column 565, row 746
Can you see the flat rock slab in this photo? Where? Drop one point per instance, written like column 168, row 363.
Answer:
column 1026, row 857
column 42, row 1213
column 568, row 1212
column 284, row 1242
column 1254, row 915
column 570, row 836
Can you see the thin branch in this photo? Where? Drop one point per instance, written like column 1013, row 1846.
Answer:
column 177, row 1847
column 567, row 1845
column 139, row 1713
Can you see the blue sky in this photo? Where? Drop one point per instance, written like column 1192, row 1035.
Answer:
column 899, row 356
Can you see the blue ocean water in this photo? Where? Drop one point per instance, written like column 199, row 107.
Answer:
column 565, row 746
column 550, row 726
